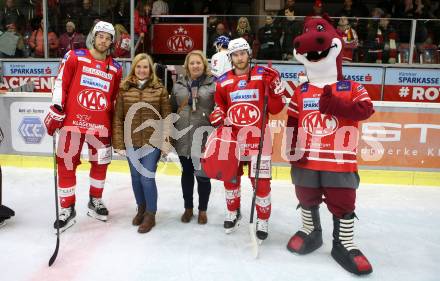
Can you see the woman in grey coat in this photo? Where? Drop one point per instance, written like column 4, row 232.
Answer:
column 192, row 99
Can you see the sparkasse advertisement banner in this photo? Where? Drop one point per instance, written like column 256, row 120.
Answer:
column 414, row 85
column 370, row 77
column 41, row 74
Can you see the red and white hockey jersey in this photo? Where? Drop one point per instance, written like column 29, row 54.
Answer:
column 242, row 99
column 86, row 89
column 330, row 142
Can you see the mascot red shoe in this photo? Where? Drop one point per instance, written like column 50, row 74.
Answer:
column 326, row 110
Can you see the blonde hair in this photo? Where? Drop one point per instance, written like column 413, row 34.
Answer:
column 247, row 29
column 199, row 53
column 131, row 77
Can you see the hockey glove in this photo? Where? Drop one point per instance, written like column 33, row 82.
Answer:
column 217, row 117
column 54, row 119
column 333, row 105
column 276, row 86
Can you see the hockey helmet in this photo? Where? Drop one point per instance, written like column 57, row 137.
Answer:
column 222, row 41
column 238, row 45
column 103, row 26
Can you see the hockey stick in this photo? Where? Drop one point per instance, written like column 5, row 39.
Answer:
column 252, row 232
column 55, row 253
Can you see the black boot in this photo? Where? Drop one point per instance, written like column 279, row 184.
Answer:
column 309, row 237
column 344, row 251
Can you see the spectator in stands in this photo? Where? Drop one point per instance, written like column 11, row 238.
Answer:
column 243, row 30
column 142, row 20
column 86, row 17
column 382, row 41
column 71, row 40
column 350, row 39
column 122, row 42
column 280, row 20
column 9, row 14
column 269, row 38
column 18, row 47
column 160, row 7
column 291, row 28
column 36, row 42
column 220, row 30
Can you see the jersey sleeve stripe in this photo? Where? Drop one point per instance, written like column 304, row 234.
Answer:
column 361, row 95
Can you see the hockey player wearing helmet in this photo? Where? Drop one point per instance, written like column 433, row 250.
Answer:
column 83, row 97
column 239, row 99
column 220, row 62
column 103, row 39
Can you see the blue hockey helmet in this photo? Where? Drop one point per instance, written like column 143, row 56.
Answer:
column 222, row 41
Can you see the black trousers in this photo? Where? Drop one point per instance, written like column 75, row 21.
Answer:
column 187, row 181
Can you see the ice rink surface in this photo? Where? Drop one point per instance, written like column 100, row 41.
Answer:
column 398, row 230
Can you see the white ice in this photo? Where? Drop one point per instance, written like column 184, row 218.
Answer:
column 398, row 230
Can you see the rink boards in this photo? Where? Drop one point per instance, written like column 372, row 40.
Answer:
column 407, row 134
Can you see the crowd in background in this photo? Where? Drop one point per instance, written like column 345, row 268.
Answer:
column 371, row 34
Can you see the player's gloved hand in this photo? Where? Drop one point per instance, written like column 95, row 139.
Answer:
column 121, row 152
column 276, row 86
column 54, row 119
column 217, row 117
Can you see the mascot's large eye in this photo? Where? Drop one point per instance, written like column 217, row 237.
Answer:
column 320, row 28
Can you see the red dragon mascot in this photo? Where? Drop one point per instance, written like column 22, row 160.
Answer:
column 324, row 114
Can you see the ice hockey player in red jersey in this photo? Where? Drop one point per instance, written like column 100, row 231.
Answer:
column 239, row 102
column 324, row 113
column 83, row 98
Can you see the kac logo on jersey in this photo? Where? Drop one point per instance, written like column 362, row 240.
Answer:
column 94, row 82
column 311, row 104
column 93, row 100
column 317, row 124
column 244, row 114
column 242, row 84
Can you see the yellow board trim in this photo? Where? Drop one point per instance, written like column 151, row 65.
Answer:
column 278, row 173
